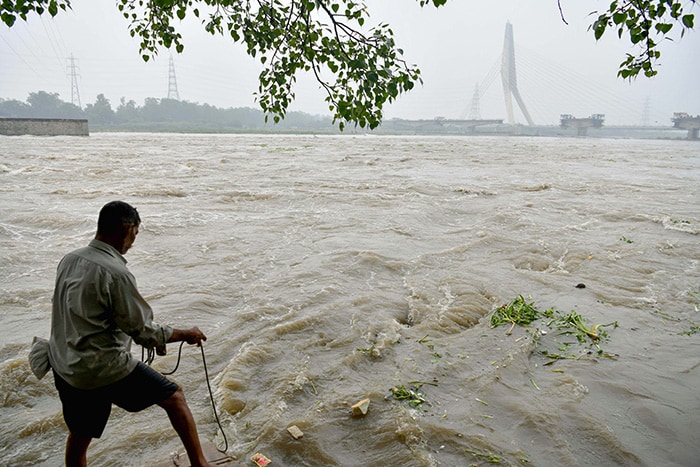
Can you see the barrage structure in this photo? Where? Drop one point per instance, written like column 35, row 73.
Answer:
column 687, row 122
column 582, row 124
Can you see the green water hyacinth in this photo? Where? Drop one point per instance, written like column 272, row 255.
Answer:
column 518, row 311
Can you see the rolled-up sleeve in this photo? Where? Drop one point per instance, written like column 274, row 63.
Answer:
column 133, row 315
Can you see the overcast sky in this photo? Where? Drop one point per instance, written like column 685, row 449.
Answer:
column 560, row 67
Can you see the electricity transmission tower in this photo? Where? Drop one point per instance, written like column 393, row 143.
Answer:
column 72, row 72
column 510, row 82
column 172, row 82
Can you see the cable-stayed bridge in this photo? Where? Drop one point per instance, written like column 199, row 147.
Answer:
column 560, row 91
column 548, row 90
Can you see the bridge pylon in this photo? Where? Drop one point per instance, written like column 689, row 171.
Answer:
column 509, row 79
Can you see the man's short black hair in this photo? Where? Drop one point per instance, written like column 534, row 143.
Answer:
column 116, row 217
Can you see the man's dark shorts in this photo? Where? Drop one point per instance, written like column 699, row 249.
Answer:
column 86, row 411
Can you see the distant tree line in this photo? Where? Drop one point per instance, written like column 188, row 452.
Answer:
column 159, row 115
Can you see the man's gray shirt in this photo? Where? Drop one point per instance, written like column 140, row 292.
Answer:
column 97, row 310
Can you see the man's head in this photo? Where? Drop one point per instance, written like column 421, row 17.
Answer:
column 118, row 225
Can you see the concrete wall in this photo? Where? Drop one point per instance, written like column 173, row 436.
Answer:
column 43, row 127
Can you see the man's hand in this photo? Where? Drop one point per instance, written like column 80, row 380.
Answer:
column 191, row 336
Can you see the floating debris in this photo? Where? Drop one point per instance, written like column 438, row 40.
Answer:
column 523, row 313
column 413, row 397
column 295, row 432
column 516, row 312
column 487, row 456
column 534, row 384
column 361, row 408
column 573, row 323
column 260, row 460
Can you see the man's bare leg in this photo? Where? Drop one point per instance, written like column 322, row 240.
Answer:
column 76, row 450
column 181, row 418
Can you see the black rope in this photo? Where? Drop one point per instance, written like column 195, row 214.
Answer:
column 211, row 397
column 149, row 360
column 177, row 364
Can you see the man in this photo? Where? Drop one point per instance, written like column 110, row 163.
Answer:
column 97, row 312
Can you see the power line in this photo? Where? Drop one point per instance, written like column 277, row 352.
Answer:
column 571, row 88
column 18, row 55
column 52, row 40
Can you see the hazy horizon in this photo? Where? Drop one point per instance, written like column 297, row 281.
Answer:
column 561, row 68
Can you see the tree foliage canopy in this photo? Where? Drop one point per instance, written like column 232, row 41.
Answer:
column 645, row 22
column 360, row 68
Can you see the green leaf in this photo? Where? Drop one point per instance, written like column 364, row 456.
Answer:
column 619, row 17
column 599, row 29
column 688, row 21
column 663, row 28
column 8, row 19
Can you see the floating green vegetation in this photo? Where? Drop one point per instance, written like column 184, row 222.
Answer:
column 373, row 352
column 288, row 149
column 625, row 239
column 426, row 341
column 411, row 395
column 523, row 313
column 574, row 324
column 691, row 331
column 516, row 312
column 487, row 456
